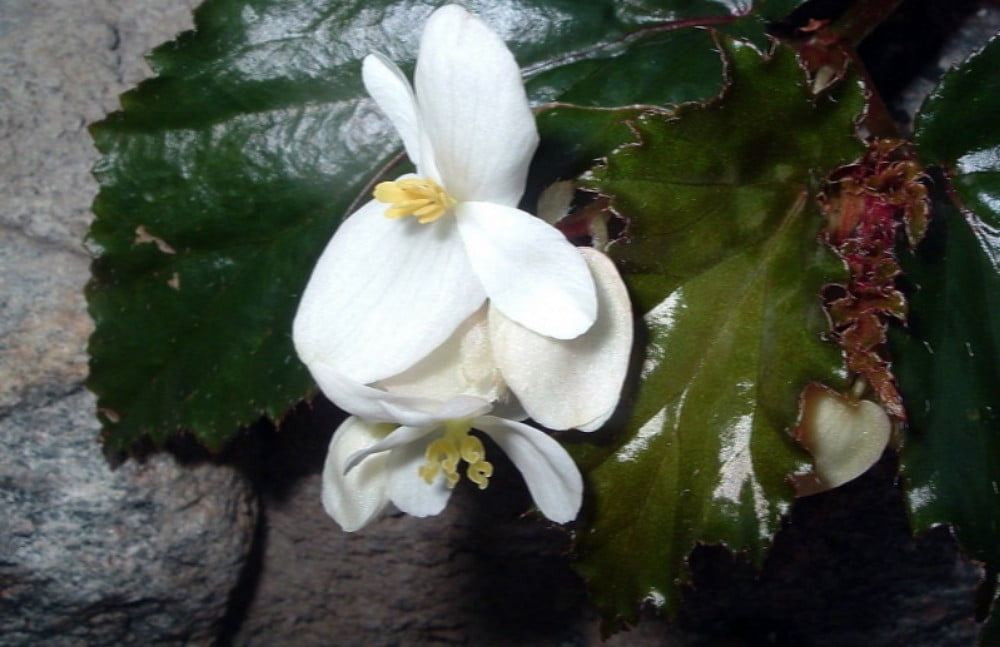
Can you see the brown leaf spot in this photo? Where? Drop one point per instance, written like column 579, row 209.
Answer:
column 142, row 235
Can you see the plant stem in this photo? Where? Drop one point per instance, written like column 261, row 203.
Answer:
column 878, row 119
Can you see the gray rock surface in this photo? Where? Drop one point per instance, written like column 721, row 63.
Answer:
column 146, row 553
column 62, row 66
column 89, row 555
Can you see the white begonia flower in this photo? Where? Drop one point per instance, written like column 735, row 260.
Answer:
column 407, row 268
column 407, row 439
column 409, row 433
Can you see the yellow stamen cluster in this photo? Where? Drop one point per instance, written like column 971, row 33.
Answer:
column 424, row 199
column 444, row 454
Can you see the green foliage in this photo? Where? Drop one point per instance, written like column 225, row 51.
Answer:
column 722, row 257
column 948, row 357
column 660, row 69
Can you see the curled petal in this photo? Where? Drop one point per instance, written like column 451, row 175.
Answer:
column 530, row 272
column 407, row 489
column 474, row 109
column 390, row 89
column 381, row 406
column 574, row 383
column 550, row 474
column 384, row 294
column 354, row 499
column 399, row 437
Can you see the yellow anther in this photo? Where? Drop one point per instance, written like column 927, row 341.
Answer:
column 424, row 199
column 444, row 454
column 480, row 473
column 473, row 453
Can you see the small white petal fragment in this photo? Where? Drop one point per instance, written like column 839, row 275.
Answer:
column 391, row 90
column 844, row 436
column 358, row 310
column 354, row 499
column 555, row 201
column 473, row 108
column 531, row 273
column 551, row 475
column 589, row 370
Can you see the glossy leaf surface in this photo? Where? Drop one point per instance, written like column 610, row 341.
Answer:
column 949, row 355
column 224, row 176
column 722, row 258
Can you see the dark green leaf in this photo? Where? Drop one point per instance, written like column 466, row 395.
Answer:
column 957, row 126
column 947, row 366
column 722, row 257
column 948, row 370
column 659, row 69
column 948, row 357
column 224, row 176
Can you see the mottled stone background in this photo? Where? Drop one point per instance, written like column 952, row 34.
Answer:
column 187, row 549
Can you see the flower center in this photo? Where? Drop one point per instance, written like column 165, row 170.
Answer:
column 424, row 199
column 444, row 453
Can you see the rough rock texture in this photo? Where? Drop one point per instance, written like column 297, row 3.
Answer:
column 62, row 66
column 89, row 555
column 43, row 326
column 146, row 553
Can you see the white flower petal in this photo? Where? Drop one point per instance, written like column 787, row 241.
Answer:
column 380, row 406
column 462, row 407
column 564, row 384
column 594, row 424
column 463, row 364
column 530, row 272
column 390, row 89
column 384, row 294
column 550, row 474
column 354, row 499
column 508, row 406
column 399, row 437
column 370, row 403
column 473, row 108
column 407, row 489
